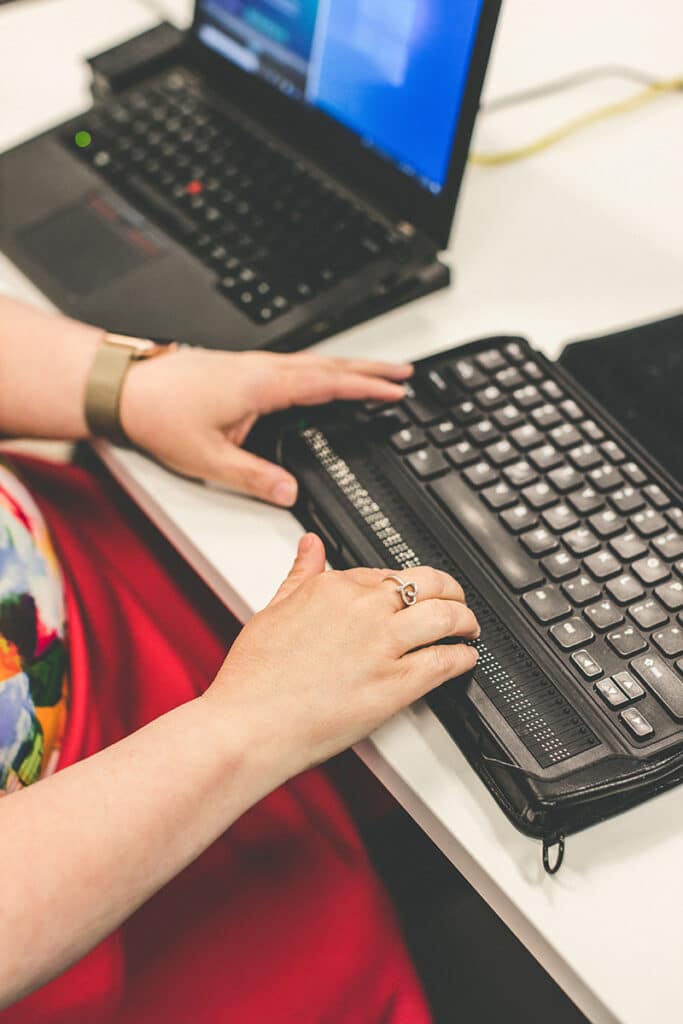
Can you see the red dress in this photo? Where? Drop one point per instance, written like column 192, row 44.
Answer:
column 282, row 920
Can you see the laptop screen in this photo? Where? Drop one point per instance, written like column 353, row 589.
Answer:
column 392, row 71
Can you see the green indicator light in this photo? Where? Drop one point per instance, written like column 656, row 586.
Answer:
column 302, row 424
column 82, row 139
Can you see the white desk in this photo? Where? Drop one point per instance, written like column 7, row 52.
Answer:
column 583, row 238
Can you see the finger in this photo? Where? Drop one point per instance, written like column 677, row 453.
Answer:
column 430, row 582
column 433, row 620
column 309, row 562
column 428, row 668
column 252, row 475
column 317, row 385
column 369, row 368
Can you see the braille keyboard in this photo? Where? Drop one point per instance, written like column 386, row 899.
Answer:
column 275, row 233
column 569, row 538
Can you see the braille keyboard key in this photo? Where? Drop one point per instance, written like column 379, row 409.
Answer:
column 648, row 522
column 607, row 523
column 482, row 432
column 602, row 565
column 528, row 396
column 571, row 633
column 502, row 549
column 586, row 500
column 636, row 723
column 539, row 541
column 509, row 378
column 669, row 640
column 508, row 416
column 560, row 566
column 581, row 590
column 571, row 410
column 625, row 589
column 462, row 453
column 634, row 473
column 490, row 397
column 565, row 478
column 675, row 516
column 626, row 641
column 481, row 473
column 444, row 433
column 547, row 604
column 669, row 545
column 565, row 436
column 539, row 495
column 581, row 541
column 612, row 451
column 651, row 569
column 612, row 694
column 519, row 517
column 593, row 431
column 584, row 456
column 427, row 463
column 587, row 666
column 628, row 546
column 408, row 440
column 501, row 452
column 559, row 517
column 442, row 386
column 527, row 436
column 491, row 360
column 657, row 496
column 604, row 614
column 605, row 477
column 552, row 390
column 519, row 473
column 514, row 351
column 671, row 595
column 546, row 416
column 499, row 495
column 662, row 680
column 626, row 499
column 532, row 370
column 545, row 457
column 422, row 408
column 648, row 614
column 465, row 412
column 630, row 686
column 467, row 375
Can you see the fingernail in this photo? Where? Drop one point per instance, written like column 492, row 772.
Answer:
column 476, row 654
column 284, row 493
column 306, row 543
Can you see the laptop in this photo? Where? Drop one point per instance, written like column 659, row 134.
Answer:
column 279, row 172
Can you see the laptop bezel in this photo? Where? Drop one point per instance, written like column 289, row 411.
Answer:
column 328, row 142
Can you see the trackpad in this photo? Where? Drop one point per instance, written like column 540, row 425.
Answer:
column 88, row 244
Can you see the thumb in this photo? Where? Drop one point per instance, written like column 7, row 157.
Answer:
column 252, row 475
column 309, row 562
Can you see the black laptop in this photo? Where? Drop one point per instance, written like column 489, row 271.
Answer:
column 277, row 173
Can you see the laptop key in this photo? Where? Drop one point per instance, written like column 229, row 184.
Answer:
column 669, row 640
column 571, row 633
column 604, row 614
column 648, row 614
column 427, row 463
column 626, row 641
column 662, row 680
column 636, row 723
column 547, row 604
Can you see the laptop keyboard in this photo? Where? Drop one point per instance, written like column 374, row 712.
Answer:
column 575, row 526
column 275, row 234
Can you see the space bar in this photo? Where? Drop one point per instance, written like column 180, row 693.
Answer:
column 468, row 511
column 158, row 206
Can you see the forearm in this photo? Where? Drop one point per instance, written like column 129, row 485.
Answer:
column 111, row 831
column 44, row 364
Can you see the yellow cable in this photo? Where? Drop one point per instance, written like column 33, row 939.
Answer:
column 651, row 92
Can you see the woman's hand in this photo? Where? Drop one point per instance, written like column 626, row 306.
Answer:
column 335, row 654
column 193, row 410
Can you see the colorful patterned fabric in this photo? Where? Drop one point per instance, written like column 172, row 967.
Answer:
column 33, row 676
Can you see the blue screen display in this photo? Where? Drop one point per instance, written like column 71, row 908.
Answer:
column 392, row 71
